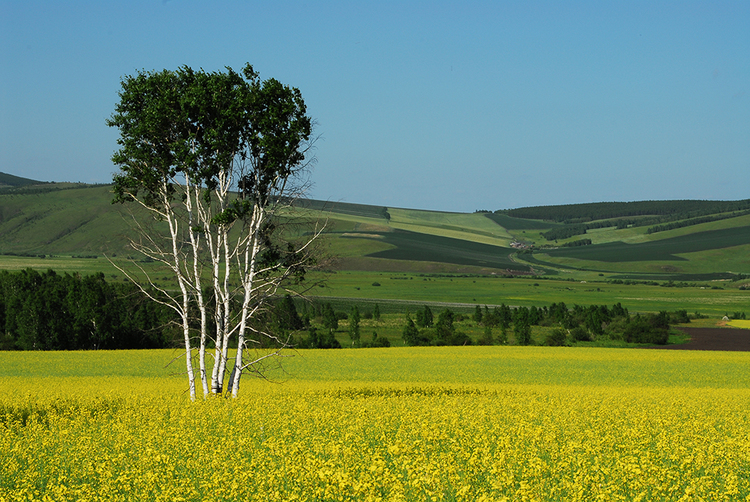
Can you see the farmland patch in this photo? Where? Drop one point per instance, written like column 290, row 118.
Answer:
column 662, row 250
column 423, row 247
column 511, row 223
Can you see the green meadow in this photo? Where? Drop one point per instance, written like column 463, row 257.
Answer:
column 715, row 298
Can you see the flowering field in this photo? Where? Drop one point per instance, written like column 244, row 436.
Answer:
column 463, row 423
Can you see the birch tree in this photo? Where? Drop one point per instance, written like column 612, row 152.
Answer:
column 217, row 159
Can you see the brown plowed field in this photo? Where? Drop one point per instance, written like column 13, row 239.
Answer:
column 714, row 339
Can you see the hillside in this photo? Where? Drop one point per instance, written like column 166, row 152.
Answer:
column 11, row 181
column 700, row 237
column 54, row 220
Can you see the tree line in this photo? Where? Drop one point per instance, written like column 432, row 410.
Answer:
column 51, row 311
column 595, row 322
column 694, row 221
column 582, row 213
column 288, row 320
column 660, row 223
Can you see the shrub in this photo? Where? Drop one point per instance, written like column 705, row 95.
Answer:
column 556, row 338
column 580, row 334
column 652, row 328
column 486, row 338
column 377, row 341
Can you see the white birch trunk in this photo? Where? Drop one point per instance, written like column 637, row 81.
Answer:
column 225, row 312
column 250, row 257
column 184, row 313
column 192, row 193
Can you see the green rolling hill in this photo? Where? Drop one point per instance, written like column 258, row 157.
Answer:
column 57, row 220
column 666, row 239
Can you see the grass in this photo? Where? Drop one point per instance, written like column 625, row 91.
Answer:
column 60, row 264
column 734, row 259
column 511, row 223
column 489, row 290
column 8, row 180
column 435, row 285
column 71, row 221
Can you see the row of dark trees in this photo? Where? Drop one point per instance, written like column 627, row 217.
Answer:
column 289, row 323
column 694, row 221
column 582, row 213
column 661, row 223
column 50, row 311
column 571, row 325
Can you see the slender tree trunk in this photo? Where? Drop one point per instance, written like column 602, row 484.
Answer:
column 192, row 197
column 188, row 348
column 248, row 282
column 219, row 250
column 223, row 309
column 226, row 312
column 216, row 382
column 185, row 312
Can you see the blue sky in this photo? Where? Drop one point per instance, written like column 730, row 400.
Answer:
column 452, row 106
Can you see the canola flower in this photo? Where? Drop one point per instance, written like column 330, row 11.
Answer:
column 363, row 437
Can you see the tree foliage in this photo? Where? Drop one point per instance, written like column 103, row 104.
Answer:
column 424, row 317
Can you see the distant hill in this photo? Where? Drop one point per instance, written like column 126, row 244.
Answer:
column 9, row 180
column 48, row 219
column 667, row 238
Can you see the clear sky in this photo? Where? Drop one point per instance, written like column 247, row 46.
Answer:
column 452, row 106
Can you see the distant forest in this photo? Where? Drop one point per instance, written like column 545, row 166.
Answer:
column 582, row 213
column 576, row 219
column 49, row 311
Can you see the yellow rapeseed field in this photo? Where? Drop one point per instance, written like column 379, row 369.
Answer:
column 479, row 423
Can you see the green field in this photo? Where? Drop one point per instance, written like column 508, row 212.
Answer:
column 658, row 250
column 425, row 247
column 73, row 221
column 715, row 298
column 67, row 219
